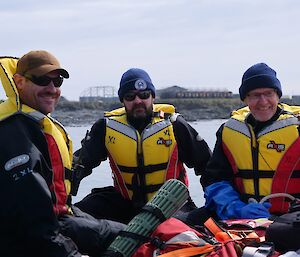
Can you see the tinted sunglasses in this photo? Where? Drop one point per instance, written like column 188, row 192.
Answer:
column 130, row 96
column 44, row 81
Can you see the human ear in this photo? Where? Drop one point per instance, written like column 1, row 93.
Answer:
column 19, row 81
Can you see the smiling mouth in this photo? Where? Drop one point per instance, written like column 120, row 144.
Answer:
column 264, row 109
column 47, row 96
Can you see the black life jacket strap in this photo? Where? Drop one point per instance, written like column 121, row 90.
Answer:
column 162, row 114
column 111, row 253
column 68, row 174
column 143, row 239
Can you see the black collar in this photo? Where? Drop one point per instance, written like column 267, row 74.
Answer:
column 258, row 125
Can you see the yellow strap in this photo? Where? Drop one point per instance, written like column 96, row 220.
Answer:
column 188, row 252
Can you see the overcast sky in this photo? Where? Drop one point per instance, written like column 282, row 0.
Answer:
column 204, row 44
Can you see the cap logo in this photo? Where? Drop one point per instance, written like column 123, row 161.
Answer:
column 140, row 84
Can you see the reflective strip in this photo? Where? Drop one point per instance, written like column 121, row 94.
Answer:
column 122, row 128
column 279, row 125
column 238, row 126
column 36, row 115
column 156, row 127
column 242, row 128
column 146, row 169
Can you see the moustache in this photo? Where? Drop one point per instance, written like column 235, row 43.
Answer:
column 49, row 94
column 139, row 105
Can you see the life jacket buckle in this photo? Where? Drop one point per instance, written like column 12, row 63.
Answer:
column 158, row 243
column 243, row 235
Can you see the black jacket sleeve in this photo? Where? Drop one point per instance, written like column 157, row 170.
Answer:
column 218, row 167
column 192, row 149
column 28, row 223
column 93, row 149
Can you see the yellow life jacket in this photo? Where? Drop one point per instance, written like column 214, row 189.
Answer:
column 141, row 163
column 265, row 163
column 52, row 129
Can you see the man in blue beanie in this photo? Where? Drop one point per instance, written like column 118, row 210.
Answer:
column 146, row 144
column 256, row 152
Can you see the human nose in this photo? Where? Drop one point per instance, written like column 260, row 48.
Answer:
column 137, row 99
column 51, row 87
column 262, row 97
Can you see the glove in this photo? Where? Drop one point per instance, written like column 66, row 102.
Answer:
column 78, row 173
column 225, row 201
column 255, row 210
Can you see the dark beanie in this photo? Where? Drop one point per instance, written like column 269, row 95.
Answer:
column 259, row 75
column 135, row 79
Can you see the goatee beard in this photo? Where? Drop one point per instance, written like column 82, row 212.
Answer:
column 139, row 123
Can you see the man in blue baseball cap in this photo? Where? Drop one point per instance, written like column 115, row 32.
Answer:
column 146, row 144
column 256, row 153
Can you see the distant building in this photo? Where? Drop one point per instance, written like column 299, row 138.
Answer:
column 169, row 92
column 296, row 99
column 180, row 92
column 97, row 94
column 204, row 94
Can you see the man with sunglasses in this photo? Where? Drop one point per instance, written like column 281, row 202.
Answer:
column 37, row 218
column 146, row 144
column 256, row 153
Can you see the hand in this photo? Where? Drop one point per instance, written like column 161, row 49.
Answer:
column 78, row 173
column 75, row 160
column 231, row 207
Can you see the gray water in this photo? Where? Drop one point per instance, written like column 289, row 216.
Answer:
column 101, row 175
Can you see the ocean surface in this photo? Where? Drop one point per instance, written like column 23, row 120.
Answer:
column 101, row 175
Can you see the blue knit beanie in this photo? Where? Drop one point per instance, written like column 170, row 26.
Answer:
column 135, row 79
column 259, row 75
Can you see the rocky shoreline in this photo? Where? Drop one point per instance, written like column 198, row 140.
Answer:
column 80, row 114
column 77, row 118
column 87, row 117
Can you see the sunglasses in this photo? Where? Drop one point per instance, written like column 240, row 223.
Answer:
column 130, row 96
column 44, row 81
